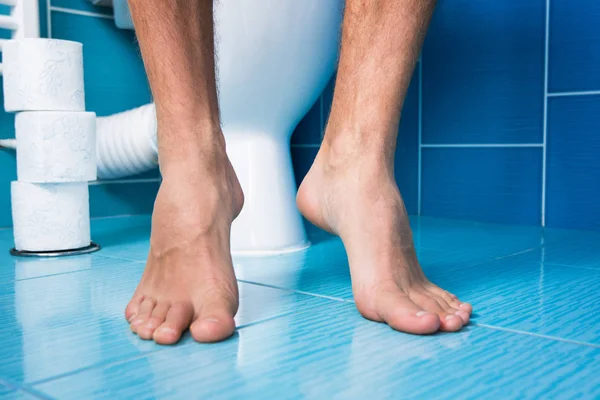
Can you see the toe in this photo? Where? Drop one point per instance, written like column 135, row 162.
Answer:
column 144, row 313
column 132, row 309
column 402, row 314
column 466, row 317
column 159, row 314
column 466, row 307
column 448, row 304
column 214, row 323
column 453, row 301
column 449, row 321
column 178, row 319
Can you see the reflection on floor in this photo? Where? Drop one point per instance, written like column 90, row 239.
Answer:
column 535, row 332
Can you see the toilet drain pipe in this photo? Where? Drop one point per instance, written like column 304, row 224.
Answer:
column 125, row 143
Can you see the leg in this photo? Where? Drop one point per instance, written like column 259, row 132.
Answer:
column 189, row 279
column 350, row 189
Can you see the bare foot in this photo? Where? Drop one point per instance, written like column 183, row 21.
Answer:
column 189, row 280
column 354, row 195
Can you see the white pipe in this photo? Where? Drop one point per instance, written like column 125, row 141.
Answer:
column 8, row 144
column 126, row 143
column 8, row 22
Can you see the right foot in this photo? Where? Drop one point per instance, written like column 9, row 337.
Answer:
column 189, row 280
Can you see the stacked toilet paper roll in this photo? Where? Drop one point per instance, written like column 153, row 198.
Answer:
column 43, row 75
column 50, row 216
column 56, row 144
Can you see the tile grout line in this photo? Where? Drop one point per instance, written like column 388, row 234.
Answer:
column 110, row 363
column 420, row 133
column 538, row 335
column 30, row 387
column 569, row 94
column 121, row 181
column 481, row 145
column 79, row 12
column 119, row 216
column 306, row 146
column 48, row 19
column 545, row 113
column 322, row 296
column 25, row 389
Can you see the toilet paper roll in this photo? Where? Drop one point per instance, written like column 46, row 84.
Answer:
column 56, row 146
column 50, row 216
column 43, row 75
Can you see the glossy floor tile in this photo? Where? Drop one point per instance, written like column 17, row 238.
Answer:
column 331, row 352
column 535, row 332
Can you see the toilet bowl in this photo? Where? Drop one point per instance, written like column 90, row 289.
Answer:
column 273, row 60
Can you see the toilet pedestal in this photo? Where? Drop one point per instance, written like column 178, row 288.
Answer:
column 270, row 222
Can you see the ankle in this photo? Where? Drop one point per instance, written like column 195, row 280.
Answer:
column 363, row 149
column 187, row 151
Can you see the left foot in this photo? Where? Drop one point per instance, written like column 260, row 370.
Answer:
column 355, row 196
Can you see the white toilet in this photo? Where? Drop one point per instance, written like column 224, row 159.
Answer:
column 274, row 58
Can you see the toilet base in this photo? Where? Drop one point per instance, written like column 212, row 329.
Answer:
column 270, row 222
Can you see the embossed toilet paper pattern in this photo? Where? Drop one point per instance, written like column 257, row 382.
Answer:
column 50, row 216
column 43, row 75
column 56, row 146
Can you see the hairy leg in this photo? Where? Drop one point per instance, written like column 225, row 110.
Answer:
column 189, row 280
column 351, row 190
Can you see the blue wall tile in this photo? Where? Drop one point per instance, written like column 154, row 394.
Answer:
column 81, row 5
column 8, row 166
column 310, row 128
column 115, row 79
column 328, row 98
column 407, row 149
column 483, row 64
column 122, row 198
column 573, row 156
column 43, row 10
column 487, row 184
column 574, row 43
column 302, row 158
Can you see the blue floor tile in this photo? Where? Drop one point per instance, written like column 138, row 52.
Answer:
column 5, row 389
column 570, row 248
column 57, row 324
column 126, row 238
column 520, row 294
column 495, row 240
column 443, row 247
column 16, row 395
column 331, row 352
column 535, row 331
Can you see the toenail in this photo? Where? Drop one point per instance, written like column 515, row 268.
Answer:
column 131, row 318
column 422, row 313
column 211, row 320
column 166, row 331
column 464, row 306
column 450, row 317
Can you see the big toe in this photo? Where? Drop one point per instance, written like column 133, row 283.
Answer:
column 213, row 328
column 402, row 314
